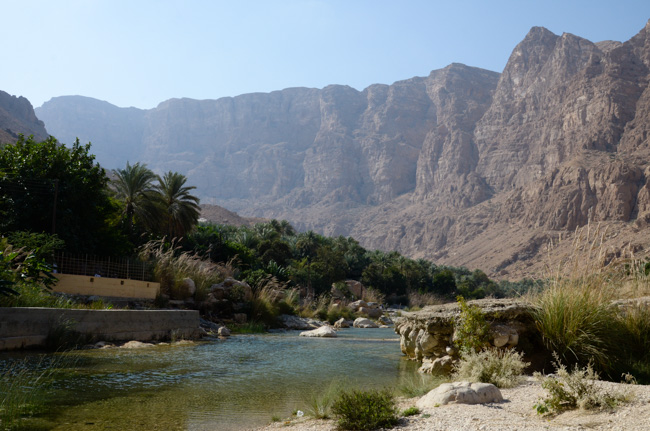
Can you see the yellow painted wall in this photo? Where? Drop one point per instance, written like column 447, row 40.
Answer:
column 104, row 286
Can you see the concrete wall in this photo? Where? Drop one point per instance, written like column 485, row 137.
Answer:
column 29, row 327
column 104, row 286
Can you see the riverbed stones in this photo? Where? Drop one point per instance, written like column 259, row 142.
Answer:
column 460, row 393
column 342, row 323
column 325, row 331
column 362, row 322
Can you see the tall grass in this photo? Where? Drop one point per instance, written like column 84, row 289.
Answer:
column 576, row 313
column 320, row 405
column 172, row 266
column 23, row 388
column 417, row 384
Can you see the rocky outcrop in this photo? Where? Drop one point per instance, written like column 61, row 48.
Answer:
column 464, row 166
column 17, row 117
column 428, row 335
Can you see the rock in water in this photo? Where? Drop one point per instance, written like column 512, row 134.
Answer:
column 323, row 331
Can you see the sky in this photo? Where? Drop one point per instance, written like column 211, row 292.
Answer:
column 143, row 52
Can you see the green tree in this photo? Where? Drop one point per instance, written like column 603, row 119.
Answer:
column 48, row 187
column 134, row 187
column 179, row 208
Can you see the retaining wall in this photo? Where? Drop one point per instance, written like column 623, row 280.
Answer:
column 104, row 286
column 29, row 327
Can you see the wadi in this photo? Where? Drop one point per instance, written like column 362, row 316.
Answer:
column 333, row 258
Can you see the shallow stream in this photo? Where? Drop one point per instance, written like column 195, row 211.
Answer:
column 235, row 384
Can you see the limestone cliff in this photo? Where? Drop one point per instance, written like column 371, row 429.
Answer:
column 464, row 166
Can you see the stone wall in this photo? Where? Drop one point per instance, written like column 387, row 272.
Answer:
column 428, row 335
column 29, row 327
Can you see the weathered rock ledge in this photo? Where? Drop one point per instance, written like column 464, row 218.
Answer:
column 428, row 335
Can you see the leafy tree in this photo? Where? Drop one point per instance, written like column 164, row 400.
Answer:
column 179, row 208
column 48, row 187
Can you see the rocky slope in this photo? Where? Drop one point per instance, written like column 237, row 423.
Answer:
column 16, row 117
column 465, row 166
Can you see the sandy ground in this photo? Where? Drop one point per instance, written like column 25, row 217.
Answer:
column 515, row 413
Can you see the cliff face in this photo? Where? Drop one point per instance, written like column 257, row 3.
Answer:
column 465, row 166
column 16, row 117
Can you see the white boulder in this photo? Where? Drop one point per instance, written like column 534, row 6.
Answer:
column 461, row 393
column 362, row 322
column 323, row 331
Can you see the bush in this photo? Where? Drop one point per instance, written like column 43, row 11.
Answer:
column 502, row 368
column 471, row 329
column 365, row 410
column 411, row 411
column 575, row 389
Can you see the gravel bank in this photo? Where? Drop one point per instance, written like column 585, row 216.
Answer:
column 514, row 414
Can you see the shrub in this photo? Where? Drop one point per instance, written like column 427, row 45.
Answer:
column 575, row 389
column 365, row 410
column 502, row 368
column 471, row 329
column 411, row 411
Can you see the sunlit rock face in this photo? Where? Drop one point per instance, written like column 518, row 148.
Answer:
column 464, row 166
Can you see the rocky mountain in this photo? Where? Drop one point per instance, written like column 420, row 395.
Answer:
column 16, row 117
column 464, row 166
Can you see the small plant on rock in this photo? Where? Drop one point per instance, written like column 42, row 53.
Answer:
column 365, row 410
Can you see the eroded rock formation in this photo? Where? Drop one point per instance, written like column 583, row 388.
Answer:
column 464, row 166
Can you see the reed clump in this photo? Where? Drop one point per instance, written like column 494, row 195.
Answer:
column 172, row 267
column 582, row 313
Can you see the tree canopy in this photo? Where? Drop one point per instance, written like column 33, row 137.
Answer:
column 46, row 187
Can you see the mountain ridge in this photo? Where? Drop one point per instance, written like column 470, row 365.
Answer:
column 441, row 166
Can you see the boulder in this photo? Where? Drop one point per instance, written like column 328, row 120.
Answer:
column 354, row 306
column 342, row 323
column 437, row 366
column 355, row 288
column 295, row 322
column 385, row 320
column 223, row 332
column 362, row 322
column 460, row 393
column 371, row 312
column 188, row 286
column 324, row 331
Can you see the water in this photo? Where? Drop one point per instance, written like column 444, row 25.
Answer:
column 235, row 384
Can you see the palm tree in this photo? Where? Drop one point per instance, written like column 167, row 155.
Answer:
column 180, row 209
column 134, row 186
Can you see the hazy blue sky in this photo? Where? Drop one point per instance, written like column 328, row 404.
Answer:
column 142, row 52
